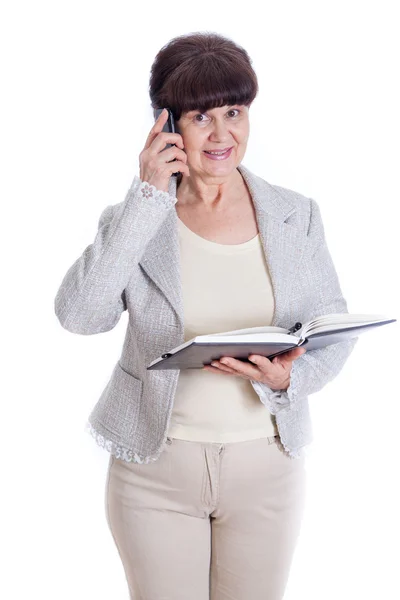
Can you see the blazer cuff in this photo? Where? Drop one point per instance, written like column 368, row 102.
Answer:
column 274, row 400
column 309, row 374
column 148, row 191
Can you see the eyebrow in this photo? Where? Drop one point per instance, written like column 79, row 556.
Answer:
column 198, row 110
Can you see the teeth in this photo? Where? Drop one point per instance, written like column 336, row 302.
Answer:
column 217, row 153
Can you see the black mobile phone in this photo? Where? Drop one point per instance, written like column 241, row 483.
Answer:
column 169, row 127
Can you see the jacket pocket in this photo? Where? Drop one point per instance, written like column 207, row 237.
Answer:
column 117, row 409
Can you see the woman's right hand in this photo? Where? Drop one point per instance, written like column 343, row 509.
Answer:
column 155, row 163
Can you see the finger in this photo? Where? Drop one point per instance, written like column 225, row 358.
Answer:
column 170, row 153
column 241, row 367
column 291, row 355
column 177, row 165
column 221, row 367
column 159, row 123
column 157, row 128
column 160, row 141
column 262, row 362
column 224, row 371
column 216, row 365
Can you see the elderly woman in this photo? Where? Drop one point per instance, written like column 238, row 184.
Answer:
column 206, row 479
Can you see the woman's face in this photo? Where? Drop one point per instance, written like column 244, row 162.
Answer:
column 216, row 129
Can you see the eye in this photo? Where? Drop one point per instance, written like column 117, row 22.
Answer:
column 199, row 115
column 232, row 110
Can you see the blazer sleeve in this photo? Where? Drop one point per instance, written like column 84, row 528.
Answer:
column 315, row 368
column 91, row 297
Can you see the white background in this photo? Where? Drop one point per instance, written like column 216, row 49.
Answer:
column 75, row 114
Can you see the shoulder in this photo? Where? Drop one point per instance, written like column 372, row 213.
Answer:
column 305, row 206
column 300, row 201
column 297, row 207
column 307, row 212
column 283, row 198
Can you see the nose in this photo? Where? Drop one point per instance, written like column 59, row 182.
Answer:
column 220, row 131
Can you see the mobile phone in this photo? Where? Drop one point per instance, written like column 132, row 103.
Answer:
column 169, row 127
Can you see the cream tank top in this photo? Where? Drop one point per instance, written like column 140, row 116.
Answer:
column 225, row 287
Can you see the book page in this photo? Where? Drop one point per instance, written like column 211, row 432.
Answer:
column 261, row 329
column 334, row 321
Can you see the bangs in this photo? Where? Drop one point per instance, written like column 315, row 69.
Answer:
column 206, row 85
column 201, row 71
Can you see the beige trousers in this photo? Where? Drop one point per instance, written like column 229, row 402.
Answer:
column 207, row 521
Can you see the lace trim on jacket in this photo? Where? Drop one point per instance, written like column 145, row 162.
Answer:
column 121, row 452
column 150, row 191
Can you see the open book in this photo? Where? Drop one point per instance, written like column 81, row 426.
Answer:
column 267, row 341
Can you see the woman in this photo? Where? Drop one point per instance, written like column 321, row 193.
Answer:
column 206, row 481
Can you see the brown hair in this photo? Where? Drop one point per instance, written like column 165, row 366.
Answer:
column 200, row 71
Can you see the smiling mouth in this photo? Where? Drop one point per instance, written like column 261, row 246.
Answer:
column 218, row 152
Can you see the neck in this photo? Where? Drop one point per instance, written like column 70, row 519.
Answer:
column 197, row 192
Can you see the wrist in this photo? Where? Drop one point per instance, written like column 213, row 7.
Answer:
column 284, row 386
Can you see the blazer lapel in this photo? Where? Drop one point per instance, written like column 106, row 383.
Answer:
column 283, row 245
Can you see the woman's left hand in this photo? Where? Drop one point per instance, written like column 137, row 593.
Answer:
column 275, row 373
